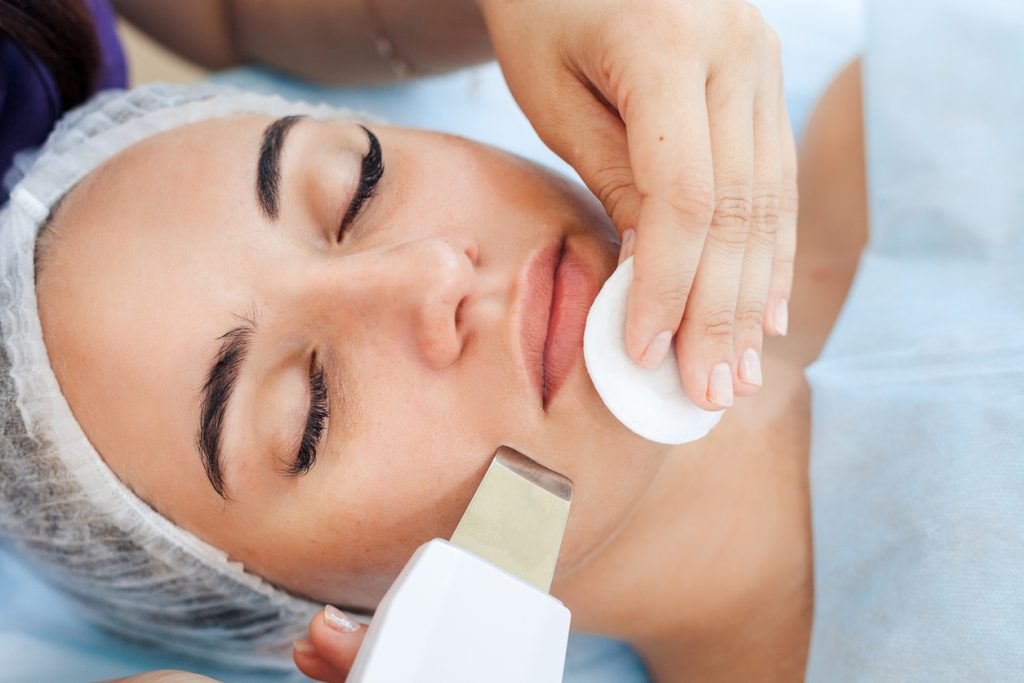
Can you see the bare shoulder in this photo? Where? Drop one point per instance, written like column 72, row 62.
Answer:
column 833, row 225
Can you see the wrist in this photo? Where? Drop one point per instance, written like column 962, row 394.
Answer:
column 490, row 9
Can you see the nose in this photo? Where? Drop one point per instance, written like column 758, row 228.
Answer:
column 439, row 276
column 412, row 292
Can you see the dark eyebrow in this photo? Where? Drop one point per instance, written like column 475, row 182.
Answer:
column 220, row 383
column 268, row 168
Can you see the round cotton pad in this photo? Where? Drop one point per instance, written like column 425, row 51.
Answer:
column 650, row 402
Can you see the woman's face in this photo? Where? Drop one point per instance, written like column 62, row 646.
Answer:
column 234, row 290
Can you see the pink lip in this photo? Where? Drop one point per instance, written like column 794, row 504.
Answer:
column 558, row 292
column 537, row 286
column 575, row 291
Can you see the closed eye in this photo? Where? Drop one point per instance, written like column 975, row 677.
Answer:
column 370, row 174
column 316, row 420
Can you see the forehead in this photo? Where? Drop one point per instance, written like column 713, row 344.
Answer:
column 163, row 178
column 138, row 281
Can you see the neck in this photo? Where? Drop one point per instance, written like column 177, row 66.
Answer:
column 767, row 642
column 712, row 577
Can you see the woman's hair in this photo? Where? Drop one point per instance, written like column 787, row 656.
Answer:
column 59, row 35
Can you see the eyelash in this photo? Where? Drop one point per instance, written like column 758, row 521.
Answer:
column 370, row 174
column 319, row 411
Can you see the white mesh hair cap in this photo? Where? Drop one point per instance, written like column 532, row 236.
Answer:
column 129, row 568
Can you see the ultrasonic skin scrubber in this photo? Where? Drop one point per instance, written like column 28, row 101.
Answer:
column 477, row 608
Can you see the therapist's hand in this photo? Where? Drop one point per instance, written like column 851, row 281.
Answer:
column 331, row 648
column 672, row 113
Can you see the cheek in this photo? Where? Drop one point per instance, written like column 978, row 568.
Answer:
column 406, row 476
column 343, row 534
column 442, row 185
column 418, row 459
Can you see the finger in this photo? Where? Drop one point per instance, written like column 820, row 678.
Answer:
column 705, row 342
column 670, row 153
column 764, row 226
column 781, row 285
column 336, row 637
column 310, row 664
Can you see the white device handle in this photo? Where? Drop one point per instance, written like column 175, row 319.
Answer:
column 452, row 617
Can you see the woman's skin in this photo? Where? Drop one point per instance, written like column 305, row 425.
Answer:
column 672, row 113
column 698, row 555
column 414, row 317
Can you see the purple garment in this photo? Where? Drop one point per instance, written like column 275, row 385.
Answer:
column 29, row 101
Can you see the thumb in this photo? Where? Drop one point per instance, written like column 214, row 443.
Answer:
column 333, row 643
column 589, row 135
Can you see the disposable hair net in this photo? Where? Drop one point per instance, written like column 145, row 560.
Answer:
column 61, row 507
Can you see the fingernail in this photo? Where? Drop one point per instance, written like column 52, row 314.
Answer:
column 720, row 386
column 750, row 367
column 628, row 244
column 656, row 351
column 782, row 317
column 304, row 645
column 338, row 620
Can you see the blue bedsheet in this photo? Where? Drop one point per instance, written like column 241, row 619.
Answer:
column 917, row 461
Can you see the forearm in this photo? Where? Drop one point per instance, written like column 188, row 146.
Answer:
column 333, row 41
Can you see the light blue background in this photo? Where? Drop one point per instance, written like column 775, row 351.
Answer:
column 917, row 457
